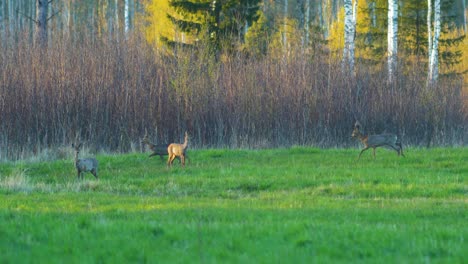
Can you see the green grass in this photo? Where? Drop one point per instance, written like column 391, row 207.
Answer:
column 298, row 205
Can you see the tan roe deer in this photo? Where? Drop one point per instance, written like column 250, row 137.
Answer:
column 177, row 150
column 389, row 141
column 159, row 149
column 84, row 165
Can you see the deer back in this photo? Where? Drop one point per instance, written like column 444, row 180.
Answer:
column 86, row 164
column 382, row 140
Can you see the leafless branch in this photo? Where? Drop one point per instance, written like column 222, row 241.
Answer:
column 49, row 18
column 26, row 16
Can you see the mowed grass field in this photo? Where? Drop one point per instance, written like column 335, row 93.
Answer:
column 295, row 205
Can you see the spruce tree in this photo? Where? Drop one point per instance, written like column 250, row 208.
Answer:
column 215, row 21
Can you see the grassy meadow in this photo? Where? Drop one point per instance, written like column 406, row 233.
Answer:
column 295, row 205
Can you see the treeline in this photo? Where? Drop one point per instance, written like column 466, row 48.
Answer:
column 108, row 92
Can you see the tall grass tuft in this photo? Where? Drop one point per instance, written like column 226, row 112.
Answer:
column 17, row 181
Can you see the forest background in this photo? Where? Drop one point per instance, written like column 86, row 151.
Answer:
column 234, row 73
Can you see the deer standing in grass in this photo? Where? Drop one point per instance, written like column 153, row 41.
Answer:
column 389, row 141
column 84, row 165
column 177, row 150
column 160, row 149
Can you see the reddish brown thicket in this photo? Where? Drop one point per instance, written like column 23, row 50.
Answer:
column 108, row 92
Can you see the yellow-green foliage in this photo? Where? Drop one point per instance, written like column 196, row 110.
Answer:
column 257, row 37
column 160, row 26
column 336, row 37
column 285, row 28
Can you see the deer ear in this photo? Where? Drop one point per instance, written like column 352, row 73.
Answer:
column 357, row 125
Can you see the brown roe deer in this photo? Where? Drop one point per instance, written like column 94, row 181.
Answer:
column 84, row 165
column 389, row 141
column 177, row 150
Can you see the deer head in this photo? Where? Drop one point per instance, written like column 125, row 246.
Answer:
column 356, row 129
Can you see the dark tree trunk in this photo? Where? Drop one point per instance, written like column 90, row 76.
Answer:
column 40, row 37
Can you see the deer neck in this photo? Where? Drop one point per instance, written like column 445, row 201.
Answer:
column 76, row 159
column 185, row 143
column 363, row 138
column 149, row 144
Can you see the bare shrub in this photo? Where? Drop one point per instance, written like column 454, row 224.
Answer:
column 107, row 92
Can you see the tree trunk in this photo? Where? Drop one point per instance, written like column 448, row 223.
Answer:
column 306, row 23
column 350, row 32
column 429, row 28
column 285, row 27
column 66, row 18
column 116, row 20
column 127, row 16
column 373, row 15
column 392, row 37
column 2, row 18
column 434, row 54
column 11, row 17
column 40, row 37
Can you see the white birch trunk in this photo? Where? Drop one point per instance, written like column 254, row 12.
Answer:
column 246, row 29
column 373, row 15
column 285, row 27
column 434, row 59
column 392, row 37
column 350, row 32
column 66, row 18
column 40, row 37
column 429, row 28
column 127, row 16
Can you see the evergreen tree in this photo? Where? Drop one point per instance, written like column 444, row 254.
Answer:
column 215, row 21
column 450, row 52
column 416, row 39
column 371, row 33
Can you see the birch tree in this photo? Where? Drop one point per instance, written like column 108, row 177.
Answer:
column 392, row 37
column 349, row 34
column 307, row 22
column 42, row 18
column 285, row 25
column 126, row 16
column 434, row 48
column 2, row 19
column 429, row 28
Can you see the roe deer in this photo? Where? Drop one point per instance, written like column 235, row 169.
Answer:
column 389, row 141
column 160, row 149
column 177, row 150
column 84, row 165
